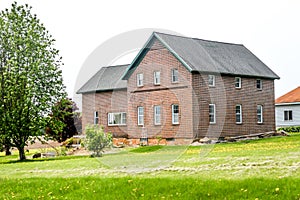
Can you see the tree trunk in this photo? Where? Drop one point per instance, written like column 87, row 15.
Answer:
column 7, row 150
column 21, row 153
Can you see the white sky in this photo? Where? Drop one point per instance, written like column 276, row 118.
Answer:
column 268, row 28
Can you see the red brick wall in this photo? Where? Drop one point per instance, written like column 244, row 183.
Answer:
column 166, row 94
column 225, row 96
column 104, row 103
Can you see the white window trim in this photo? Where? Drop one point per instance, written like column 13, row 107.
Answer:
column 214, row 114
column 111, row 115
column 288, row 120
column 261, row 84
column 140, row 78
column 241, row 114
column 157, row 115
column 154, row 75
column 140, row 115
column 240, row 82
column 96, row 117
column 214, row 80
column 261, row 119
column 172, row 75
column 173, row 114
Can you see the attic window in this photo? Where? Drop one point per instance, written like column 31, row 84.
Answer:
column 238, row 82
column 174, row 75
column 140, row 80
column 259, row 84
column 211, row 80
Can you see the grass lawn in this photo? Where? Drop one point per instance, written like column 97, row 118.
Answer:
column 260, row 169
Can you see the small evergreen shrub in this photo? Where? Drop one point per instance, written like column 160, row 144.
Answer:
column 290, row 129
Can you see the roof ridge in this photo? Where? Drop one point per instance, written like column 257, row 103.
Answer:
column 199, row 39
column 123, row 65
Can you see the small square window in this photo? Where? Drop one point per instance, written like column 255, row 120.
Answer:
column 238, row 82
column 211, row 80
column 288, row 115
column 259, row 84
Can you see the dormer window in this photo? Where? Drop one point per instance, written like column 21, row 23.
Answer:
column 140, row 80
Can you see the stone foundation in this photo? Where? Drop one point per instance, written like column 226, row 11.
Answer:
column 118, row 142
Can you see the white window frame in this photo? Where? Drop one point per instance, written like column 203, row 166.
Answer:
column 175, row 116
column 140, row 79
column 289, row 117
column 238, row 114
column 140, row 115
column 261, row 84
column 212, row 113
column 111, row 119
column 259, row 110
column 157, row 115
column 211, row 80
column 156, row 76
column 96, row 117
column 238, row 80
column 175, row 77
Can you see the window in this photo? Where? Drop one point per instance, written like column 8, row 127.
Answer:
column 140, row 115
column 259, row 84
column 140, row 80
column 156, row 78
column 288, row 115
column 211, row 80
column 116, row 119
column 238, row 114
column 157, row 114
column 175, row 114
column 212, row 113
column 174, row 75
column 259, row 114
column 96, row 117
column 238, row 82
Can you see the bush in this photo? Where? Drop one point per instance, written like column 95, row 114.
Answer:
column 96, row 139
column 290, row 129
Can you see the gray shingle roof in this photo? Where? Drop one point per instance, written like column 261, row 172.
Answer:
column 210, row 56
column 107, row 78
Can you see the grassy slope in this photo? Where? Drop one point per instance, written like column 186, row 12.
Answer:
column 263, row 169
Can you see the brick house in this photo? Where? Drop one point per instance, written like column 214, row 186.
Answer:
column 179, row 88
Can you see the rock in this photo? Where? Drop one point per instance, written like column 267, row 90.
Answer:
column 205, row 140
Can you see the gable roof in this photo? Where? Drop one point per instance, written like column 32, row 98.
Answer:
column 208, row 56
column 290, row 97
column 107, row 78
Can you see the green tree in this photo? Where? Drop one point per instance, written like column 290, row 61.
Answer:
column 30, row 78
column 96, row 139
column 63, row 111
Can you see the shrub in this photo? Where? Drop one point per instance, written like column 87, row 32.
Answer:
column 290, row 129
column 96, row 139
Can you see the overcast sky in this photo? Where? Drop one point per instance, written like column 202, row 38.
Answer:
column 270, row 29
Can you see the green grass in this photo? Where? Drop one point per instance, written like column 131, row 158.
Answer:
column 146, row 149
column 263, row 169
